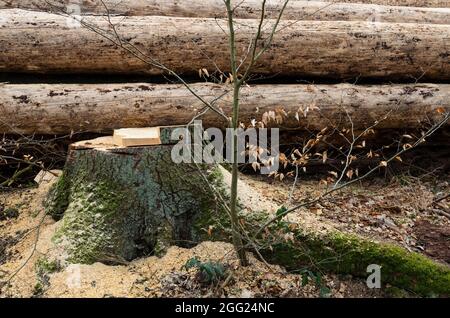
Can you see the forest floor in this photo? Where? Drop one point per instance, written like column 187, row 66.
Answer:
column 401, row 210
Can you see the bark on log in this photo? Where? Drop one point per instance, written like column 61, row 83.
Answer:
column 121, row 203
column 250, row 9
column 46, row 43
column 63, row 108
column 409, row 3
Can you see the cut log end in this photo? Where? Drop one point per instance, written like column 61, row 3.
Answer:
column 103, row 143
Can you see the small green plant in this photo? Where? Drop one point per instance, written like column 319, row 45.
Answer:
column 395, row 292
column 403, row 180
column 307, row 276
column 281, row 210
column 38, row 289
column 208, row 272
column 8, row 213
column 43, row 268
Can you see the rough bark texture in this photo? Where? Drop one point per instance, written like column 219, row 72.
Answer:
column 410, row 3
column 249, row 9
column 63, row 108
column 45, row 43
column 120, row 203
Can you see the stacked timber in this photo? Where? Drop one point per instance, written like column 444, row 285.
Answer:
column 316, row 40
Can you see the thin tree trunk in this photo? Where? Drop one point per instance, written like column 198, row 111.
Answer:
column 237, row 239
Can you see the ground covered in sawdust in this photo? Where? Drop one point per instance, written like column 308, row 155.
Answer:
column 401, row 211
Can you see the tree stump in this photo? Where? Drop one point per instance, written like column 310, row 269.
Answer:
column 117, row 204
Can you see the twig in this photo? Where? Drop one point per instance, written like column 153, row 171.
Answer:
column 437, row 211
column 38, row 228
column 442, row 198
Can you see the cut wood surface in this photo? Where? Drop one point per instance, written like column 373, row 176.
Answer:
column 45, row 43
column 63, row 108
column 128, row 137
column 249, row 9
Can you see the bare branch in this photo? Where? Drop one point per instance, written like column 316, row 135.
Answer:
column 428, row 133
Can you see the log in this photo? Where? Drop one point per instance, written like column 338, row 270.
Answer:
column 409, row 3
column 117, row 204
column 66, row 108
column 250, row 9
column 46, row 43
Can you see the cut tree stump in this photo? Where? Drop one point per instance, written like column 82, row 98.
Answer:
column 117, row 204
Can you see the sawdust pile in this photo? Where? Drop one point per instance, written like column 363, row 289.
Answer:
column 35, row 267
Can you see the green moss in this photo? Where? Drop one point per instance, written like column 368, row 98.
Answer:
column 408, row 270
column 395, row 292
column 43, row 267
column 349, row 254
column 46, row 266
column 38, row 289
column 164, row 240
column 58, row 198
column 212, row 222
column 88, row 230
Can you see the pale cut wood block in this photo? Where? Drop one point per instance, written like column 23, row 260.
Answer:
column 129, row 137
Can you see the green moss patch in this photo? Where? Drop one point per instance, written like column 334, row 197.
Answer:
column 349, row 254
column 89, row 223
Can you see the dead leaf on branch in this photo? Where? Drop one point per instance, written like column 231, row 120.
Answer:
column 333, row 173
column 349, row 174
column 440, row 110
column 324, row 156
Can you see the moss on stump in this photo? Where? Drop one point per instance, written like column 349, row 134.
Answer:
column 115, row 203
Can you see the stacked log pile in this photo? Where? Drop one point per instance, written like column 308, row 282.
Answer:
column 368, row 40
